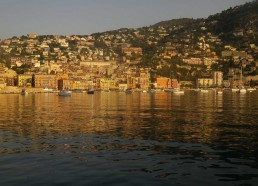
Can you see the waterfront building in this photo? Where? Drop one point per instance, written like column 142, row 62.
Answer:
column 144, row 78
column 24, row 80
column 2, row 83
column 217, row 78
column 108, row 84
column 44, row 81
column 78, row 84
column 204, row 82
column 64, row 84
column 164, row 83
column 122, row 86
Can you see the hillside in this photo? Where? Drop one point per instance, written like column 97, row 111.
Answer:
column 189, row 48
column 236, row 23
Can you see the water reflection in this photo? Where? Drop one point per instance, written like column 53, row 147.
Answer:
column 164, row 137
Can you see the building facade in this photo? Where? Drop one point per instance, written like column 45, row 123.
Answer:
column 24, row 80
column 163, row 83
column 204, row 82
column 217, row 78
column 44, row 81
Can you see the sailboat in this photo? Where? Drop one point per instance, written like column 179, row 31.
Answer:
column 234, row 89
column 242, row 90
column 250, row 89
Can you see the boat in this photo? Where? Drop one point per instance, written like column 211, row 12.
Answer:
column 151, row 91
column 178, row 92
column 65, row 93
column 219, row 91
column 24, row 92
column 168, row 90
column 242, row 90
column 128, row 91
column 106, row 90
column 204, row 90
column 48, row 89
column 235, row 89
column 196, row 90
column 251, row 89
column 90, row 91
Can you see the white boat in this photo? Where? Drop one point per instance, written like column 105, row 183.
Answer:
column 235, row 89
column 204, row 90
column 242, row 90
column 178, row 92
column 106, row 90
column 251, row 89
column 168, row 90
column 65, row 93
column 24, row 92
column 219, row 92
column 48, row 89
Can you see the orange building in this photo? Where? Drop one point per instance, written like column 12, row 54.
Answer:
column 163, row 82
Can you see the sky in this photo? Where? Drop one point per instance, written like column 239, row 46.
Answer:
column 84, row 17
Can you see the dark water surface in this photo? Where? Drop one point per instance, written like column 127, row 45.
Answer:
column 137, row 139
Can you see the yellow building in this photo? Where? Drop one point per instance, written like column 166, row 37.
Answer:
column 131, row 82
column 79, row 84
column 108, row 84
column 217, row 78
column 24, row 80
column 204, row 82
column 2, row 83
column 144, row 78
column 44, row 81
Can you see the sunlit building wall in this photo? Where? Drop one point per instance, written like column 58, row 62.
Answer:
column 44, row 81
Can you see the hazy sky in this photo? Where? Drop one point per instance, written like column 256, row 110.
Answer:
column 68, row 17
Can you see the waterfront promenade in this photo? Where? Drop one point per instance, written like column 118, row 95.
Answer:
column 17, row 90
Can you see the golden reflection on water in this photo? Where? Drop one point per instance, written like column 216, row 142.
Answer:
column 160, row 116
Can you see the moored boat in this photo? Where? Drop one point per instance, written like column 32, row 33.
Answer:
column 90, row 91
column 151, row 91
column 65, row 93
column 219, row 91
column 251, row 89
column 242, row 90
column 178, row 91
column 128, row 91
column 168, row 90
column 106, row 90
column 48, row 89
column 235, row 89
column 204, row 90
column 24, row 92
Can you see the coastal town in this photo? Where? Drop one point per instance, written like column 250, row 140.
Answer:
column 166, row 55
